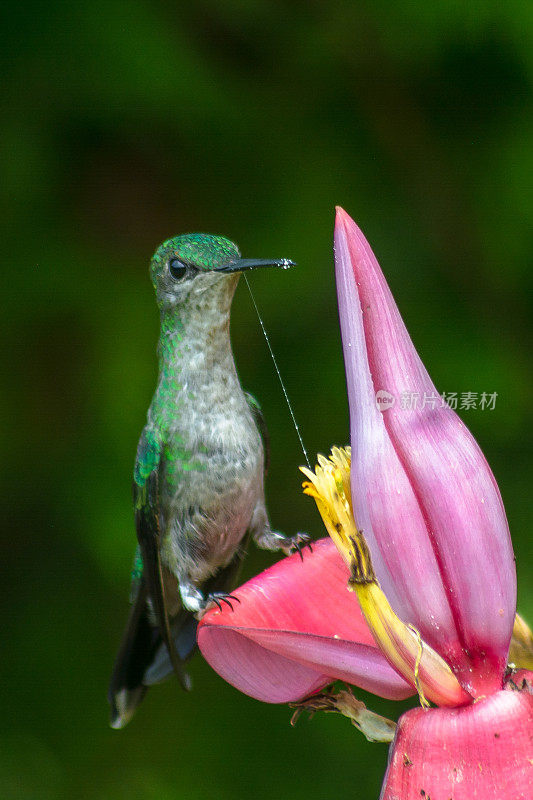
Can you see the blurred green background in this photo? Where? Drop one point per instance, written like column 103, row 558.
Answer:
column 124, row 123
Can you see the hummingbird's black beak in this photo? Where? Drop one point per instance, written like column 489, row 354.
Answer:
column 243, row 264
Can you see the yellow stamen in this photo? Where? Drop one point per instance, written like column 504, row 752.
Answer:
column 423, row 702
column 521, row 652
column 402, row 644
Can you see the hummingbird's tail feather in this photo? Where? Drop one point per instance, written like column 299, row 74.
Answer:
column 140, row 644
column 125, row 687
column 143, row 658
column 183, row 632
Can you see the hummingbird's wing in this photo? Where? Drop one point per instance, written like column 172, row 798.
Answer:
column 260, row 422
column 148, row 534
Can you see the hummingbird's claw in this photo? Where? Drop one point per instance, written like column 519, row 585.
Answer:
column 275, row 540
column 300, row 541
column 221, row 597
column 294, row 544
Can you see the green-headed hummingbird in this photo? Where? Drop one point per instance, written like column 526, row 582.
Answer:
column 198, row 478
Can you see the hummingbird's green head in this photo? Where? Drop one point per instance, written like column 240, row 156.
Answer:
column 197, row 262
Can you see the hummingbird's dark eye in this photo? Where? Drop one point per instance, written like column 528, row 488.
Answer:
column 177, row 269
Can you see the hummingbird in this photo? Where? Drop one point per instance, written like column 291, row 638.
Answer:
column 198, row 481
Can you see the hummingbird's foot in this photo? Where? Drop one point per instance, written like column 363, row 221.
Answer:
column 220, row 597
column 191, row 597
column 274, row 540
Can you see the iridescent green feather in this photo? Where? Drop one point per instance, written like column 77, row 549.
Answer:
column 148, row 456
column 136, row 574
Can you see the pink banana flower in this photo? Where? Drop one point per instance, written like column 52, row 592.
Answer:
column 419, row 534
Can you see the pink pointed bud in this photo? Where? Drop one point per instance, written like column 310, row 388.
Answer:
column 422, row 492
column 483, row 750
column 297, row 628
